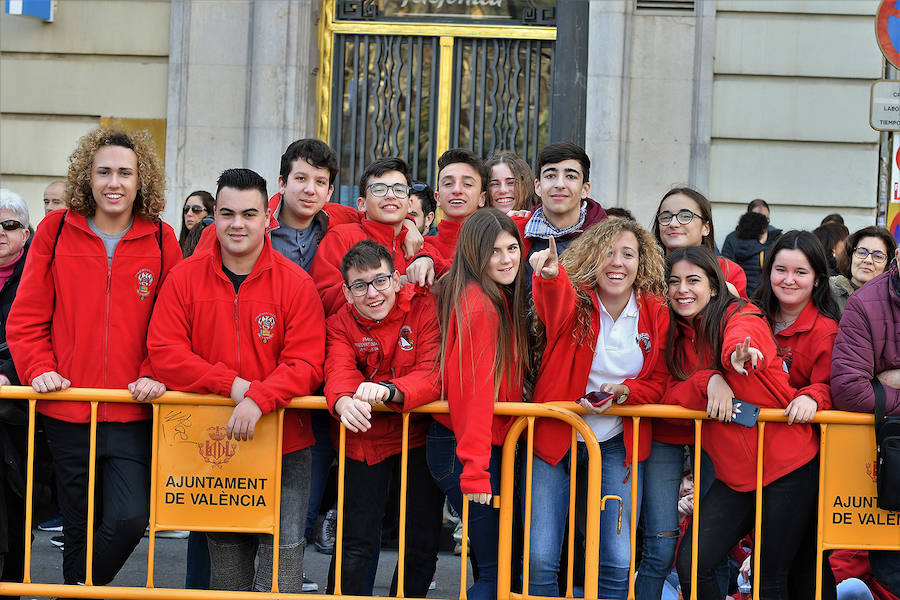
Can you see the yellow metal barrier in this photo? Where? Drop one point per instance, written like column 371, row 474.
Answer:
column 840, row 478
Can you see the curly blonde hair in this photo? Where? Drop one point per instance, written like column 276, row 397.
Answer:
column 150, row 200
column 583, row 258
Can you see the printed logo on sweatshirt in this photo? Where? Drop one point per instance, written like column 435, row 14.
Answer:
column 265, row 323
column 144, row 281
column 406, row 338
column 366, row 344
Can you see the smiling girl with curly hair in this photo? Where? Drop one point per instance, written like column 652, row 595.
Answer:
column 80, row 319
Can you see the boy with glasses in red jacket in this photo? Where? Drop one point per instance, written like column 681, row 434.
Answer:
column 382, row 348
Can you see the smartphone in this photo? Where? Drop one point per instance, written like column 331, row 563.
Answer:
column 596, row 398
column 744, row 413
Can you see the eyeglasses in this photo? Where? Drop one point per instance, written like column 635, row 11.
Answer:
column 194, row 208
column 379, row 190
column 418, row 187
column 11, row 225
column 361, row 288
column 861, row 253
column 684, row 216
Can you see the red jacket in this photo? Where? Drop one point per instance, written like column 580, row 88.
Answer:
column 805, row 348
column 441, row 248
column 337, row 214
column 402, row 348
column 326, row 266
column 733, row 447
column 734, row 275
column 77, row 315
column 272, row 333
column 469, row 388
column 566, row 364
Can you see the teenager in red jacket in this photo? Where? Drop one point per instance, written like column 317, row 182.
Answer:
column 461, row 190
column 795, row 296
column 382, row 348
column 244, row 291
column 484, row 357
column 604, row 320
column 724, row 352
column 684, row 218
column 384, row 200
column 80, row 318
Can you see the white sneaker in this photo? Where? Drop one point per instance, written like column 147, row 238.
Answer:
column 309, row 585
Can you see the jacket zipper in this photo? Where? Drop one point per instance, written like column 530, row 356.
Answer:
column 237, row 332
column 106, row 338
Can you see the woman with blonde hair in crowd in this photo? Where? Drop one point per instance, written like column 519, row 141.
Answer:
column 103, row 258
column 604, row 319
column 510, row 183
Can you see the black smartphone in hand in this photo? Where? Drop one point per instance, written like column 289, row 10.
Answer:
column 744, row 413
column 596, row 398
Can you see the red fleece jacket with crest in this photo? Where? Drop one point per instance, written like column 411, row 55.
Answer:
column 271, row 332
column 84, row 318
column 732, row 447
column 403, row 349
column 566, row 364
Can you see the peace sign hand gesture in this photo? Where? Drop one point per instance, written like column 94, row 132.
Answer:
column 546, row 262
column 742, row 353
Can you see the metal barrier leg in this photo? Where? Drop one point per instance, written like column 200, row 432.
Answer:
column 92, row 482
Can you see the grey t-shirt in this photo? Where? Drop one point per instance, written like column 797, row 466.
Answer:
column 110, row 240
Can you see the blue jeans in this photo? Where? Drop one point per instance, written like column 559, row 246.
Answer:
column 659, row 515
column 549, row 506
column 484, row 520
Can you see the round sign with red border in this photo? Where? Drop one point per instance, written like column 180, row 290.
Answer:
column 887, row 30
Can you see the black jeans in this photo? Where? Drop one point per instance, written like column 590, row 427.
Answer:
column 789, row 507
column 122, row 507
column 366, row 491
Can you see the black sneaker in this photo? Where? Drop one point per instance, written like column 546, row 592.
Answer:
column 58, row 541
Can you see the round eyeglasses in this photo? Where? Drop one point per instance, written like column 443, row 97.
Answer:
column 878, row 256
column 361, row 288
column 379, row 190
column 683, row 216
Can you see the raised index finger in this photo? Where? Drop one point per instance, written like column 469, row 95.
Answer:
column 553, row 247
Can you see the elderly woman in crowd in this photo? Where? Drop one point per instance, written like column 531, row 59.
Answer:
column 14, row 242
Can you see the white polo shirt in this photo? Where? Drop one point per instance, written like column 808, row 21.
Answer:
column 617, row 357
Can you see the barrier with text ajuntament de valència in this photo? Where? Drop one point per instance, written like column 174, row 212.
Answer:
column 202, row 481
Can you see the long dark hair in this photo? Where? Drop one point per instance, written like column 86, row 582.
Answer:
column 709, row 323
column 209, row 203
column 709, row 241
column 473, row 252
column 811, row 247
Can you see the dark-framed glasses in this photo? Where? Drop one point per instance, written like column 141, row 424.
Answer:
column 379, row 190
column 194, row 208
column 418, row 187
column 684, row 216
column 11, row 225
column 861, row 253
column 361, row 288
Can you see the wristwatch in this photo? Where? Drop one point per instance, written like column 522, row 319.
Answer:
column 392, row 390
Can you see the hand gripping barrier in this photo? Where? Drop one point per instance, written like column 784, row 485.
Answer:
column 847, row 517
